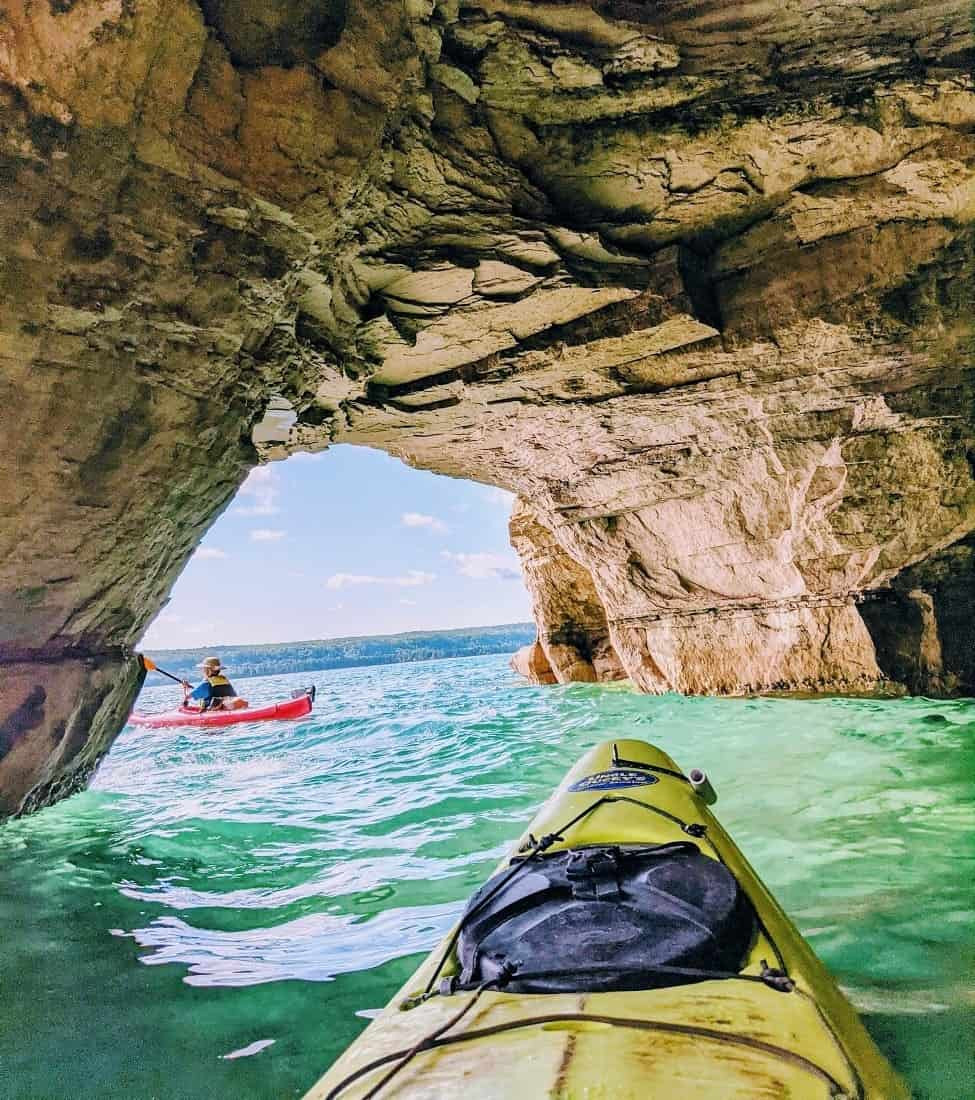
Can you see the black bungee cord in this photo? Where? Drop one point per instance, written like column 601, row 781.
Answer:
column 776, row 979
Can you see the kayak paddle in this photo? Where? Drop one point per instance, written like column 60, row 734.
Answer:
column 150, row 666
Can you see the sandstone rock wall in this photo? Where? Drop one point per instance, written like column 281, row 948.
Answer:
column 573, row 634
column 693, row 279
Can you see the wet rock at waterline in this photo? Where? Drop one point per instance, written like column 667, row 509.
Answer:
column 694, row 281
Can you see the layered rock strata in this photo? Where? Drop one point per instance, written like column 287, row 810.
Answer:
column 693, row 279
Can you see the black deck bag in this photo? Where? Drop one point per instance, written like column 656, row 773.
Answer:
column 597, row 919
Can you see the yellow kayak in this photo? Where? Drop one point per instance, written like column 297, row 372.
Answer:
column 626, row 951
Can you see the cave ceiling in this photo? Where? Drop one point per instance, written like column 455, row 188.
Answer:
column 693, row 279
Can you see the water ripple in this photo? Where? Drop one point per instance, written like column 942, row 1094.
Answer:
column 312, row 949
column 264, row 889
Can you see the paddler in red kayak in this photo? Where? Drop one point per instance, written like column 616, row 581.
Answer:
column 216, row 692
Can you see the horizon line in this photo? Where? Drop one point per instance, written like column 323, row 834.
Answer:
column 334, row 638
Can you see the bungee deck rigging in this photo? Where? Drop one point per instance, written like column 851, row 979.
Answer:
column 625, row 949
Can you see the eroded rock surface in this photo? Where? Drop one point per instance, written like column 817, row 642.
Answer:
column 693, row 279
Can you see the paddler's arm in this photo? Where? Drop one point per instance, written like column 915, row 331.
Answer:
column 203, row 692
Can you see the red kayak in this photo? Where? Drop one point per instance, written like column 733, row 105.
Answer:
column 297, row 707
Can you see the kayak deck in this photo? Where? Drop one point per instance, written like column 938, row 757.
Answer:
column 724, row 1039
column 188, row 716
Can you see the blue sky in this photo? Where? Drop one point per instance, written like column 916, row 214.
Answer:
column 350, row 541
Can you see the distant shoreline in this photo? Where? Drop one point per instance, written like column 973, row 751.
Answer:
column 350, row 652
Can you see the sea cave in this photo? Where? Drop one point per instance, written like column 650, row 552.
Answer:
column 692, row 279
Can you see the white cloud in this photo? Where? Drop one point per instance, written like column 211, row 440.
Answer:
column 205, row 553
column 409, row 603
column 484, row 566
column 500, row 496
column 262, row 534
column 418, row 519
column 261, row 487
column 413, row 578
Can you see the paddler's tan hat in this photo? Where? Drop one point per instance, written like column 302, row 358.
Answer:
column 211, row 664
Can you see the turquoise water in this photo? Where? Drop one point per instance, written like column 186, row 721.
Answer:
column 217, row 917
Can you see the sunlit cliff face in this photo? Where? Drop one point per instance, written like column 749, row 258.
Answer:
column 693, row 279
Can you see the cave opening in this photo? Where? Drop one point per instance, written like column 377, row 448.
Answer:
column 342, row 543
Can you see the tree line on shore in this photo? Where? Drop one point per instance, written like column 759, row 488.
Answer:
column 325, row 653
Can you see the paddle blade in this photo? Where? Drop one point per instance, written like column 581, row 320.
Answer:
column 147, row 663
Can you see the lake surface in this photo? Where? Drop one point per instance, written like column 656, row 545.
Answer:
column 218, row 915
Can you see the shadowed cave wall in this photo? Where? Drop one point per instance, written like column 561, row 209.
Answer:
column 693, row 279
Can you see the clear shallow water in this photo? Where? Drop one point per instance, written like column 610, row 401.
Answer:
column 217, row 915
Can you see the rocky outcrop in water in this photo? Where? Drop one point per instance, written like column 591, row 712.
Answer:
column 693, row 279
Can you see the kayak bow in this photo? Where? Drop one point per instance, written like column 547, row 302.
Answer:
column 296, row 707
column 625, row 951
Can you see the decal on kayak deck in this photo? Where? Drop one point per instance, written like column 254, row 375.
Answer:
column 609, row 781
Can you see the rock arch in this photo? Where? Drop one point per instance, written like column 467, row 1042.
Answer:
column 694, row 280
